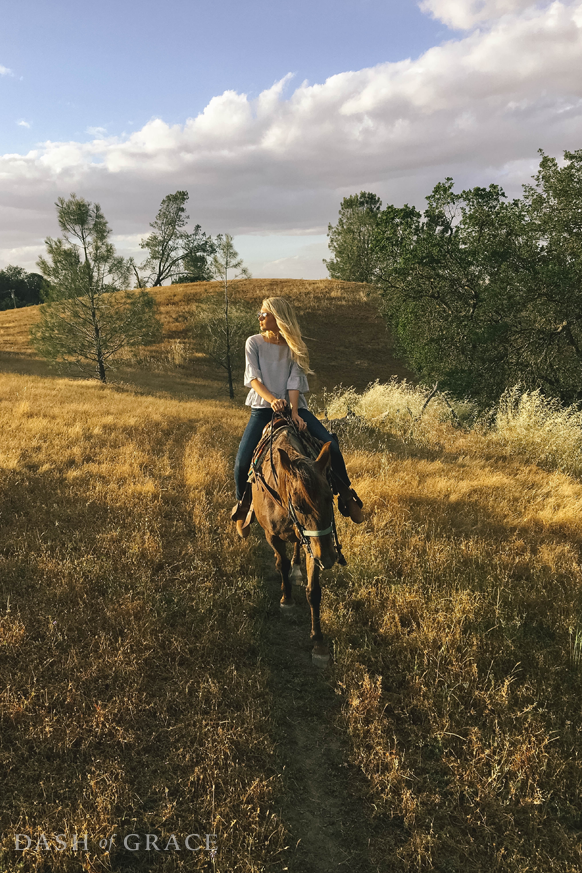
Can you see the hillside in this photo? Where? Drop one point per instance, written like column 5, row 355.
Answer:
column 348, row 340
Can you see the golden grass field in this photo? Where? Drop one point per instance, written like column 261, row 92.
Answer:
column 136, row 690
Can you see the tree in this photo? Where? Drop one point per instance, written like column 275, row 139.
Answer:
column 445, row 283
column 553, row 317
column 482, row 292
column 86, row 317
column 172, row 250
column 19, row 288
column 351, row 240
column 196, row 260
column 221, row 336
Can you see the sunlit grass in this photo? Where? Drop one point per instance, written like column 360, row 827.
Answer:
column 133, row 696
column 456, row 645
column 542, row 429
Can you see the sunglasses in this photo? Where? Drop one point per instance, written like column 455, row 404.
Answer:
column 263, row 314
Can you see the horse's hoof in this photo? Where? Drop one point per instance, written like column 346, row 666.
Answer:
column 289, row 605
column 320, row 655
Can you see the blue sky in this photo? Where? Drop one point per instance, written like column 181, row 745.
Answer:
column 115, row 65
column 269, row 113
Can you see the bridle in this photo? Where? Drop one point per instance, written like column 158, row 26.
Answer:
column 303, row 534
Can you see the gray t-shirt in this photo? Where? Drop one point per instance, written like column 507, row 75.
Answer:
column 272, row 365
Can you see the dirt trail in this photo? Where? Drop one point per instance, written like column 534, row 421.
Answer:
column 322, row 806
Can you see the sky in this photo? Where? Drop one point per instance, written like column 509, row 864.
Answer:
column 268, row 113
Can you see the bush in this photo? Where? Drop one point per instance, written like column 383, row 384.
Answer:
column 403, row 409
column 541, row 428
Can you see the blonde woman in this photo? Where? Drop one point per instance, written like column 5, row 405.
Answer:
column 277, row 364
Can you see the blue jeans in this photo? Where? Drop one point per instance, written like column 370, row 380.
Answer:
column 260, row 416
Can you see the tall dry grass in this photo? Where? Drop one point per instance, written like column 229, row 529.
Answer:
column 135, row 696
column 525, row 424
column 399, row 408
column 133, row 693
column 454, row 630
column 537, row 427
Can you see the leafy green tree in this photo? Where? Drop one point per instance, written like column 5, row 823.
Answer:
column 221, row 333
column 351, row 240
column 173, row 252
column 482, row 292
column 196, row 260
column 87, row 319
column 445, row 277
column 19, row 288
column 552, row 319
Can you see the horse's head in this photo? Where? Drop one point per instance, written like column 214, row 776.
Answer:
column 309, row 496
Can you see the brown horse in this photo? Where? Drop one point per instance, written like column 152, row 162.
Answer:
column 293, row 503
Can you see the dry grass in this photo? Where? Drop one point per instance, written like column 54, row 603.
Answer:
column 133, row 698
column 530, row 425
column 398, row 408
column 455, row 642
column 15, row 325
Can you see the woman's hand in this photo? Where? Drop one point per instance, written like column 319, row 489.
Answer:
column 298, row 421
column 278, row 405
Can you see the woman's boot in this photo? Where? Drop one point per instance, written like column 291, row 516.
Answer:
column 350, row 505
column 242, row 513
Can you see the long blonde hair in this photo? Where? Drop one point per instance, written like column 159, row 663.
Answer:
column 283, row 312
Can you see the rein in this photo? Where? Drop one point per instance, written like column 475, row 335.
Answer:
column 311, row 445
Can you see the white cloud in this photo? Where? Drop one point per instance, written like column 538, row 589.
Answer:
column 97, row 131
column 5, row 71
column 476, row 108
column 465, row 14
column 20, row 256
column 23, row 123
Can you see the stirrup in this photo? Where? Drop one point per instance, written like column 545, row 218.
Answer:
column 238, row 511
column 241, row 508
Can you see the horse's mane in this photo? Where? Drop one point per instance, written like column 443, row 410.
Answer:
column 304, row 476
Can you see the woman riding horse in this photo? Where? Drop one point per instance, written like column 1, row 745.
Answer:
column 277, row 364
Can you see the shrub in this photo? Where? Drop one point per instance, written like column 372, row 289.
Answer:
column 541, row 428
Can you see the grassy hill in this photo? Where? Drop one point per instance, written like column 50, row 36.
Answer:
column 348, row 340
column 139, row 693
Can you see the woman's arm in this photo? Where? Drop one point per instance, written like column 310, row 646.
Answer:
column 294, row 402
column 276, row 403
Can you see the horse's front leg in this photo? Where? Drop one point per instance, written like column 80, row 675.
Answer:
column 320, row 654
column 283, row 566
column 295, row 574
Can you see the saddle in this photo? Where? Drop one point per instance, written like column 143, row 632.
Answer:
column 304, row 444
column 244, row 507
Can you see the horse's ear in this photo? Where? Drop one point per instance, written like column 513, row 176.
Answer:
column 324, row 458
column 285, row 460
